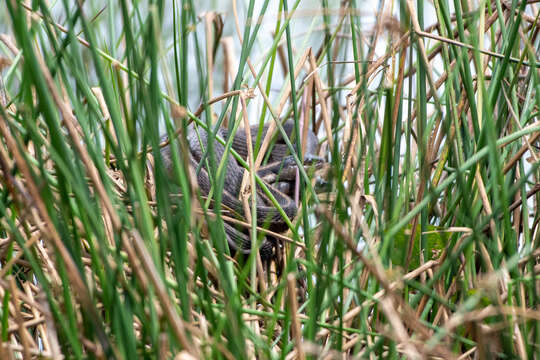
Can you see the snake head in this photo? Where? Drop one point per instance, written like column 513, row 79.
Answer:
column 312, row 159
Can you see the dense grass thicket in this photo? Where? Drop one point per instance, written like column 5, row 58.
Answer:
column 416, row 237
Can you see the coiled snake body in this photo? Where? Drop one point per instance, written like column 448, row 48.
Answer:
column 277, row 176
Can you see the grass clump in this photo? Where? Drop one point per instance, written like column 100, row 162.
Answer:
column 422, row 242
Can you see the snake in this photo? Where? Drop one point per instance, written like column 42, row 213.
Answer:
column 277, row 176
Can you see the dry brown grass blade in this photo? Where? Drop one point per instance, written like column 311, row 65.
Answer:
column 137, row 250
column 314, row 71
column 293, row 308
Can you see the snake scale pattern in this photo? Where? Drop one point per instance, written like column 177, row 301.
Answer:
column 277, row 175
